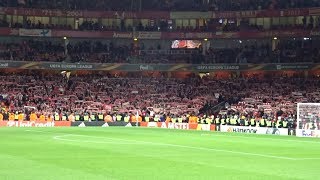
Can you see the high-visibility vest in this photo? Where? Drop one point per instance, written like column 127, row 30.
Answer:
column 228, row 121
column 246, row 122
column 100, row 117
column 203, row 120
column 262, row 122
column 156, row 119
column 1, row 117
column 56, row 117
column 92, row 117
column 208, row 120
column 278, row 124
column 217, row 121
column 119, row 117
column 223, row 121
column 180, row 119
column 147, row 119
column 127, row 119
column 284, row 124
column 269, row 123
column 86, row 118
column 77, row 117
column 252, row 122
column 16, row 117
column 64, row 117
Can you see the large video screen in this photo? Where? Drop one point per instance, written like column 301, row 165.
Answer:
column 185, row 44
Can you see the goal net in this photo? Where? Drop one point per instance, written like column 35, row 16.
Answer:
column 308, row 121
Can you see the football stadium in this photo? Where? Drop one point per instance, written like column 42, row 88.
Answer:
column 159, row 89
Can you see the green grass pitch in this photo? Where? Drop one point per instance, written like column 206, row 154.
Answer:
column 141, row 153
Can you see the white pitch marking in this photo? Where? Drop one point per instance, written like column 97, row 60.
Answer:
column 98, row 142
column 250, row 137
column 173, row 145
column 307, row 159
column 34, row 131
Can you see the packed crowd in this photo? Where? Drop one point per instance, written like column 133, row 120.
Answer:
column 103, row 94
column 155, row 99
column 177, row 5
column 290, row 51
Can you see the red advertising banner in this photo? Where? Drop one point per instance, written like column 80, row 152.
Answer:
column 82, row 34
column 9, row 32
column 86, row 14
column 35, row 123
column 184, row 126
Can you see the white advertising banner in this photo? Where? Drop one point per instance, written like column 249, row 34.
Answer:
column 254, row 130
column 35, row 32
column 308, row 133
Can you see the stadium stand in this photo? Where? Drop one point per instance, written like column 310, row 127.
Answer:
column 161, row 98
column 158, row 37
column 178, row 5
column 287, row 51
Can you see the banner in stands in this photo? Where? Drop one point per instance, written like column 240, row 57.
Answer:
column 308, row 133
column 148, row 35
column 160, row 14
column 156, row 67
column 35, row 32
column 125, row 35
column 35, row 123
column 157, row 35
column 84, row 14
column 262, row 13
column 185, row 126
column 254, row 130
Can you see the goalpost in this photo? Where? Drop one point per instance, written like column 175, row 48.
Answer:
column 308, row 120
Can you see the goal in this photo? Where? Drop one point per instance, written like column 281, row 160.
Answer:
column 308, row 122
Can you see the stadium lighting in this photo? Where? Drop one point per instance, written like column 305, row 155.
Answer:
column 205, row 39
column 135, row 39
column 240, row 41
column 275, row 38
column 65, row 38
